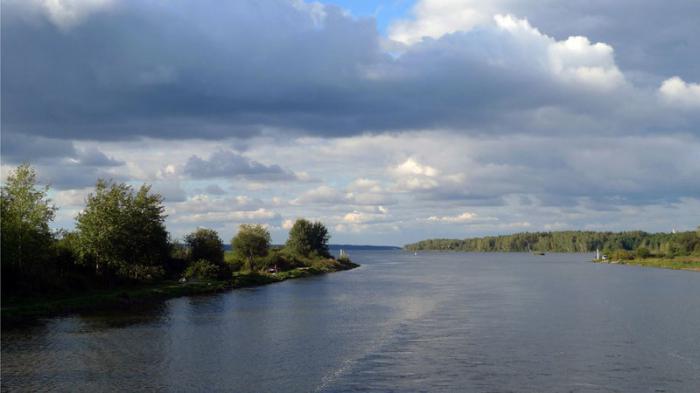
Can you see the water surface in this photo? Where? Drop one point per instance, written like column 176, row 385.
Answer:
column 436, row 322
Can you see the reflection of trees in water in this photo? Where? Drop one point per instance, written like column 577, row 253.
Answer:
column 124, row 316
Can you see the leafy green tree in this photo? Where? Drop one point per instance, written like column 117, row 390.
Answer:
column 251, row 241
column 25, row 212
column 306, row 238
column 122, row 232
column 205, row 244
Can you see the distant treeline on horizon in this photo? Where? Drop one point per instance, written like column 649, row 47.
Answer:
column 680, row 243
column 346, row 247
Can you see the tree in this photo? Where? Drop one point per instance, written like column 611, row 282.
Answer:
column 251, row 241
column 205, row 244
column 123, row 233
column 306, row 238
column 25, row 213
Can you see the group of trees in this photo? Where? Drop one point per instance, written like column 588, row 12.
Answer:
column 120, row 236
column 252, row 249
column 641, row 244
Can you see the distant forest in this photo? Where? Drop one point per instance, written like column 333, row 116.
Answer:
column 667, row 244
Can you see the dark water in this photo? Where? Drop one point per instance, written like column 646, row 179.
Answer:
column 400, row 323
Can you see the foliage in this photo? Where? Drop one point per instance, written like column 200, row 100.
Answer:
column 251, row 242
column 177, row 261
column 203, row 270
column 642, row 252
column 344, row 258
column 666, row 244
column 678, row 263
column 307, row 238
column 25, row 213
column 205, row 244
column 122, row 233
column 120, row 236
column 621, row 255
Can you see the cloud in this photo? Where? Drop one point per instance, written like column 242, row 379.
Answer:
column 288, row 224
column 257, row 216
column 566, row 116
column 464, row 217
column 71, row 198
column 326, row 195
column 230, row 164
column 358, row 217
column 434, row 19
column 171, row 191
column 214, row 189
column 676, row 91
column 574, row 60
column 250, row 68
column 93, row 157
column 624, row 24
column 65, row 14
column 321, row 195
column 412, row 167
column 18, row 148
column 366, row 185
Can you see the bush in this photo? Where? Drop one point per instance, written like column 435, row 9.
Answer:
column 203, row 270
column 643, row 252
column 621, row 255
column 233, row 262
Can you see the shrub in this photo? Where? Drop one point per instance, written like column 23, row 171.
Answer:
column 203, row 270
column 643, row 252
column 621, row 255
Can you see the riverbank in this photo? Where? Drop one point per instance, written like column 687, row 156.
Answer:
column 678, row 263
column 128, row 296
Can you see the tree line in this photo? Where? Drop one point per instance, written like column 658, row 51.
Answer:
column 643, row 243
column 120, row 238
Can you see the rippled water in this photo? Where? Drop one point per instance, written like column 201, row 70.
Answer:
column 404, row 323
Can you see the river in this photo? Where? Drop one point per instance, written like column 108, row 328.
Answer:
column 433, row 322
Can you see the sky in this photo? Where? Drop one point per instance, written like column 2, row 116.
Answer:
column 390, row 121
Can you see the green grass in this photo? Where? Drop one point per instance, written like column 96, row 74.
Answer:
column 13, row 309
column 677, row 263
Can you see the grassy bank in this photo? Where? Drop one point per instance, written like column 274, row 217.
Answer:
column 677, row 263
column 18, row 309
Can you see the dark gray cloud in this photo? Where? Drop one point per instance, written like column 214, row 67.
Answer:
column 654, row 37
column 94, row 157
column 230, row 164
column 67, row 176
column 211, row 70
column 58, row 162
column 18, row 148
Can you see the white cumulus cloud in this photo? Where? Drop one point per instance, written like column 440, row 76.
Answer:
column 676, row 91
